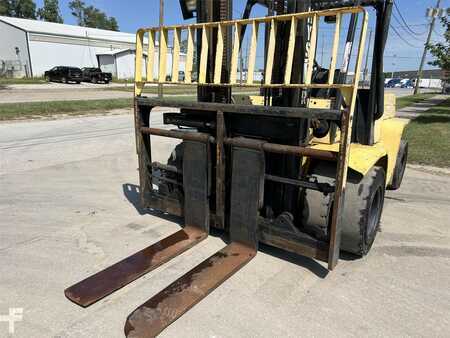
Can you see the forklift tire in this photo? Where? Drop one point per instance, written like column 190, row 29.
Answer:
column 400, row 166
column 364, row 199
column 175, row 159
column 363, row 206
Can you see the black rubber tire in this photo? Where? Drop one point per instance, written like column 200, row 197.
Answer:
column 364, row 200
column 175, row 159
column 400, row 166
column 64, row 80
column 93, row 79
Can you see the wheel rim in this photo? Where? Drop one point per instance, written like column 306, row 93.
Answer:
column 374, row 212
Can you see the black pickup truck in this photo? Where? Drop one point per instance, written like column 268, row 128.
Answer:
column 95, row 75
column 64, row 74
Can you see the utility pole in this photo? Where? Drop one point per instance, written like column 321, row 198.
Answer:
column 161, row 23
column 366, row 68
column 424, row 55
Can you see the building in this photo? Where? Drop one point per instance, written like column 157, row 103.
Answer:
column 30, row 47
column 121, row 62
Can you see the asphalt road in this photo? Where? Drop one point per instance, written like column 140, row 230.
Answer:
column 85, row 91
column 68, row 207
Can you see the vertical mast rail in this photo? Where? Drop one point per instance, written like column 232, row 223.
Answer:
column 219, row 56
column 335, row 49
column 271, row 52
column 176, row 54
column 204, row 55
column 312, row 50
column 235, row 53
column 189, row 55
column 150, row 55
column 163, row 33
column 290, row 52
column 252, row 54
column 138, row 86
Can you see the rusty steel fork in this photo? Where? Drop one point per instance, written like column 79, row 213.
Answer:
column 152, row 317
column 103, row 283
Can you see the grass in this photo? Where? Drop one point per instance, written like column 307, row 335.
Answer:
column 25, row 80
column 10, row 111
column 183, row 90
column 406, row 101
column 428, row 137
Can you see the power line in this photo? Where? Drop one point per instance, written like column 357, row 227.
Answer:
column 405, row 28
column 402, row 38
column 404, row 21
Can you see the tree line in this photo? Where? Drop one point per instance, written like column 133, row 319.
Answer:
column 86, row 16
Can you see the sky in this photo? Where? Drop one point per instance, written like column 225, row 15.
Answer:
column 402, row 53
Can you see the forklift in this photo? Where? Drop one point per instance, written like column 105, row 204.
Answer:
column 302, row 165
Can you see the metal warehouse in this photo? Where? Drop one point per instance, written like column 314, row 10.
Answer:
column 30, row 47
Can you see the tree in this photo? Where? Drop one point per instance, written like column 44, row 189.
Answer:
column 5, row 8
column 441, row 50
column 18, row 8
column 77, row 8
column 89, row 16
column 50, row 12
column 183, row 49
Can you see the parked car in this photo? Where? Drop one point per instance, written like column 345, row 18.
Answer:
column 180, row 76
column 407, row 83
column 393, row 83
column 64, row 74
column 446, row 87
column 95, row 75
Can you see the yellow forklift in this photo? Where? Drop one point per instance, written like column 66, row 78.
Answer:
column 302, row 165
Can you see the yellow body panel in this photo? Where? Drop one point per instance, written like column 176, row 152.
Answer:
column 256, row 100
column 363, row 158
column 319, row 103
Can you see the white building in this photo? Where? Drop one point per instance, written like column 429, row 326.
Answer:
column 30, row 47
column 121, row 62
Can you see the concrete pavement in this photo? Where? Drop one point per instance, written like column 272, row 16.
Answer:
column 68, row 207
column 416, row 109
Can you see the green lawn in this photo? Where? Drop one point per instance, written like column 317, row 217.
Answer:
column 180, row 89
column 428, row 136
column 9, row 111
column 10, row 81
